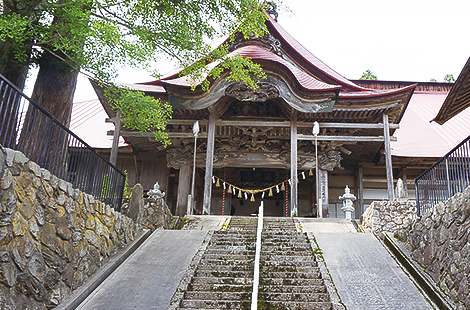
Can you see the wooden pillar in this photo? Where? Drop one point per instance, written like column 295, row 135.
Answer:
column 405, row 185
column 388, row 159
column 360, row 192
column 117, row 131
column 184, row 188
column 324, row 191
column 293, row 165
column 206, row 204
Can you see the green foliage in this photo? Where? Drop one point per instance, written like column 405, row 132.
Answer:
column 99, row 36
column 127, row 189
column 432, row 80
column 368, row 75
column 449, row 78
column 140, row 112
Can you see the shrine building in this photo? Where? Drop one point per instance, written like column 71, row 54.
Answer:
column 258, row 145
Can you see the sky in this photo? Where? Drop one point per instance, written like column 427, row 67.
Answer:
column 399, row 40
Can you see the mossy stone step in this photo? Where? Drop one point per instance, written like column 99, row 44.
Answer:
column 205, row 295
column 290, row 259
column 215, row 304
column 222, row 281
column 290, row 282
column 319, row 288
column 226, row 268
column 230, row 262
column 313, row 274
column 310, row 297
column 284, row 305
column 216, row 287
column 224, row 256
column 224, row 274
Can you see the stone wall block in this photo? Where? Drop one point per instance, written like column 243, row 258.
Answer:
column 19, row 158
column 8, row 273
column 37, row 267
column 62, row 228
column 6, row 180
column 48, row 235
column 9, row 202
column 19, row 225
column 54, row 181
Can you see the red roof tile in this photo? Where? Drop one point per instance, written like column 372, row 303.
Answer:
column 255, row 52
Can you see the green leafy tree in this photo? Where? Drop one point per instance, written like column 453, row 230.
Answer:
column 368, row 75
column 96, row 37
column 449, row 78
column 432, row 80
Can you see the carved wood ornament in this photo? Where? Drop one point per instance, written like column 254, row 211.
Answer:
column 264, row 92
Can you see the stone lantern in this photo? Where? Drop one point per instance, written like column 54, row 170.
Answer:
column 347, row 199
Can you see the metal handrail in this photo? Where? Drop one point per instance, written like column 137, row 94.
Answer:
column 29, row 128
column 254, row 295
column 448, row 176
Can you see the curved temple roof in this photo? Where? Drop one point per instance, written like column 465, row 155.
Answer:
column 306, row 72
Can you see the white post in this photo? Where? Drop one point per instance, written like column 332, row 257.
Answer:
column 316, row 131
column 254, row 296
column 191, row 197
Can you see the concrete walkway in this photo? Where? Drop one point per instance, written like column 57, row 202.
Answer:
column 150, row 276
column 364, row 273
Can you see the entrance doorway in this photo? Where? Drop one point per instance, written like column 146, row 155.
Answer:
column 274, row 184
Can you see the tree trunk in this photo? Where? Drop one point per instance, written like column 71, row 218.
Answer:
column 55, row 86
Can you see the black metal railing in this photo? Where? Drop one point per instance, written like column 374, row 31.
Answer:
column 447, row 177
column 27, row 127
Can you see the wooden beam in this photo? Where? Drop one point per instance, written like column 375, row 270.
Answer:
column 283, row 124
column 293, row 165
column 373, row 180
column 171, row 135
column 346, row 138
column 360, row 194
column 388, row 159
column 184, row 188
column 203, row 135
column 116, row 134
column 206, row 204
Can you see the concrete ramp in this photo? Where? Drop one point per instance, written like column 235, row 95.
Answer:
column 150, row 276
column 364, row 273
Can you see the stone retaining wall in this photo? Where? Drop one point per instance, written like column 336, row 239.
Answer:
column 439, row 241
column 52, row 237
column 389, row 216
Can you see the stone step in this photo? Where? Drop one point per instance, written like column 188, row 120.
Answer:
column 286, row 253
column 313, row 274
column 290, row 282
column 230, row 262
column 216, row 287
column 223, row 256
column 215, row 304
column 224, row 281
column 281, row 268
column 290, row 260
column 224, row 274
column 204, row 295
column 295, row 305
column 302, row 297
column 320, row 288
column 229, row 247
column 226, row 268
column 231, row 251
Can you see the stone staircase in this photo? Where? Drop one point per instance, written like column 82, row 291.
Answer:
column 224, row 277
column 289, row 275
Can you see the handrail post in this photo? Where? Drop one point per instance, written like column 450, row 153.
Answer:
column 254, row 296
